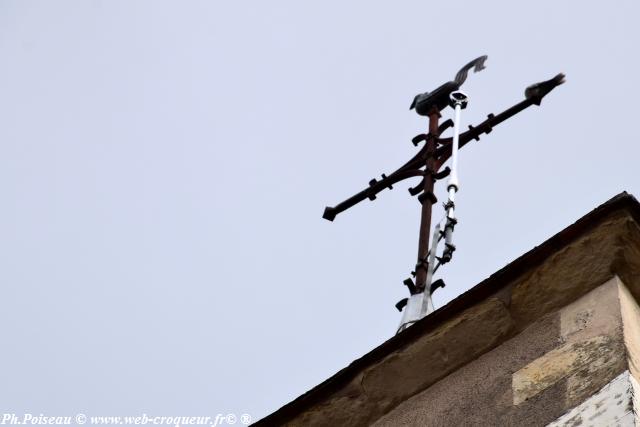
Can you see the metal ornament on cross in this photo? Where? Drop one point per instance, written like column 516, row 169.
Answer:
column 427, row 165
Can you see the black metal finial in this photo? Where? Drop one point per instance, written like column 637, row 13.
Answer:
column 439, row 98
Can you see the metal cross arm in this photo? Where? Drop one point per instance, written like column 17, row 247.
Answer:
column 410, row 169
column 375, row 187
column 533, row 96
column 416, row 166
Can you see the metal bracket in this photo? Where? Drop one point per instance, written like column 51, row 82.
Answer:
column 437, row 284
column 428, row 196
column 410, row 285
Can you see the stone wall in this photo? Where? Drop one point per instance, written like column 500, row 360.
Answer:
column 532, row 379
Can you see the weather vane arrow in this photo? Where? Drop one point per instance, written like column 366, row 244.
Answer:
column 427, row 165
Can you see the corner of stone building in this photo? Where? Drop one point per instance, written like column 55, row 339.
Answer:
column 630, row 312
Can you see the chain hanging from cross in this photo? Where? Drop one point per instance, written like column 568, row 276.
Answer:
column 428, row 164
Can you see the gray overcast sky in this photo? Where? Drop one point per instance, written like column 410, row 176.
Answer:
column 164, row 167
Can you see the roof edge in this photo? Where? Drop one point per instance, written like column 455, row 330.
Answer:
column 484, row 289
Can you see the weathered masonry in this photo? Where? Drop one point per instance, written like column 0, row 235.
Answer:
column 551, row 339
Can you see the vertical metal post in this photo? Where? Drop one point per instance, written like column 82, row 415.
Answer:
column 432, row 258
column 452, row 186
column 453, row 178
column 459, row 101
column 425, row 218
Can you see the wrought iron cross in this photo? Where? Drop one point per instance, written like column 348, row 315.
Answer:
column 428, row 162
